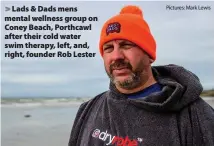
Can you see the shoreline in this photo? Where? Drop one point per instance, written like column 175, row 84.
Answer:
column 60, row 102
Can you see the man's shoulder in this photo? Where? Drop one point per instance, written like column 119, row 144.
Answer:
column 86, row 106
column 203, row 105
column 203, row 109
column 93, row 100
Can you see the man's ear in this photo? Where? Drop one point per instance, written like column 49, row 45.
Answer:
column 151, row 60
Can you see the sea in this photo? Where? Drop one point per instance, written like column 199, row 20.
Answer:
column 41, row 121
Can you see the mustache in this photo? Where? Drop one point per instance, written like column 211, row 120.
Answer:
column 120, row 63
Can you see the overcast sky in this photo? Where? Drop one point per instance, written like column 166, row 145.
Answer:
column 183, row 37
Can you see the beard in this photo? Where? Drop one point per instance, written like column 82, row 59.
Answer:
column 135, row 78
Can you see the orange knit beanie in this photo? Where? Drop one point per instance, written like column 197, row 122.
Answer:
column 129, row 25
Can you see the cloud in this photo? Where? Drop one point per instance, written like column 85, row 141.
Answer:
column 183, row 37
column 36, row 79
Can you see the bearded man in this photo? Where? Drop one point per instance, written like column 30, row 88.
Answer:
column 145, row 105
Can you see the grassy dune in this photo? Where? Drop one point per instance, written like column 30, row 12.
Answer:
column 209, row 93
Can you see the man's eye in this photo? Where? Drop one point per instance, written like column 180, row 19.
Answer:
column 108, row 49
column 127, row 46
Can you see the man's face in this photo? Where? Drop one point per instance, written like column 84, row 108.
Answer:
column 125, row 63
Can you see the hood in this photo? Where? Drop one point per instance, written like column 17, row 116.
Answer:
column 180, row 88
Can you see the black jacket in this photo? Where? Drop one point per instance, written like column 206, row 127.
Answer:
column 176, row 116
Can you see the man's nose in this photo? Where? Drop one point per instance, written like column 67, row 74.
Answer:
column 117, row 54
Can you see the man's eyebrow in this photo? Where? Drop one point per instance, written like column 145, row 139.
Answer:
column 120, row 43
column 107, row 45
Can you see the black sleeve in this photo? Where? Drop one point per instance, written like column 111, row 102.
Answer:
column 206, row 122
column 202, row 118
column 83, row 111
column 77, row 125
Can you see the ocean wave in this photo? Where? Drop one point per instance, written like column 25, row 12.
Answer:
column 29, row 102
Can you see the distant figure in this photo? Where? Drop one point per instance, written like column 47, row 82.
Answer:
column 145, row 105
column 27, row 116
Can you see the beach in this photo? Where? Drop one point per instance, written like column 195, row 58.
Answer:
column 48, row 124
column 41, row 123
